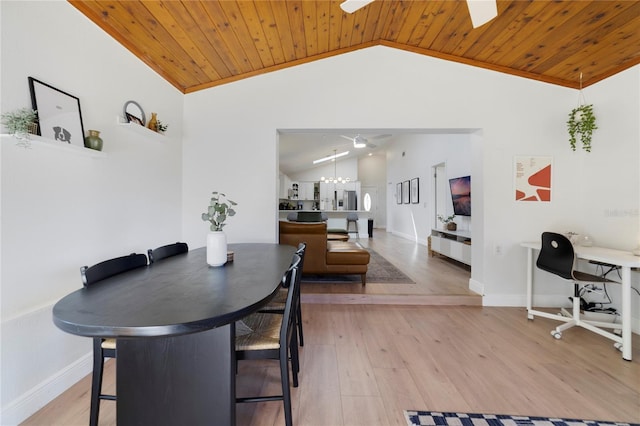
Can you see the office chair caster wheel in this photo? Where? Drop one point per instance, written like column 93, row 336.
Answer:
column 618, row 346
column 556, row 334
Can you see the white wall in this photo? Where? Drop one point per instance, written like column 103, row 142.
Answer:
column 593, row 192
column 413, row 156
column 373, row 172
column 61, row 210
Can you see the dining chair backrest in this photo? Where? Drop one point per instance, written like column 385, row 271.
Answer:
column 111, row 267
column 292, row 278
column 300, row 251
column 167, row 251
column 556, row 255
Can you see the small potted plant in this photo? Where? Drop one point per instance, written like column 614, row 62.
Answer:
column 448, row 222
column 581, row 122
column 220, row 207
column 162, row 127
column 21, row 123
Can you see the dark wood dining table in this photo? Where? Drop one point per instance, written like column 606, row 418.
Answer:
column 174, row 322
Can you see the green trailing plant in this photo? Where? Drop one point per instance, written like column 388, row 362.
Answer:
column 581, row 122
column 20, row 121
column 219, row 209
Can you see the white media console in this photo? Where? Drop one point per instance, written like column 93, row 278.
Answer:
column 453, row 244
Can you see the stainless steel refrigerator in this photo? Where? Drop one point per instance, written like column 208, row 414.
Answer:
column 350, row 200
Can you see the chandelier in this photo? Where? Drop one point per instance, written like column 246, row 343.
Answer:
column 333, row 179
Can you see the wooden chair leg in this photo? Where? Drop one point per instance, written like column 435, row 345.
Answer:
column 363, row 277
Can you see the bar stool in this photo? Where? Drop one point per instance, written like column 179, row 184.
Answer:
column 353, row 218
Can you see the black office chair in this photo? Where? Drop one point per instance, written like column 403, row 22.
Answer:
column 558, row 257
column 105, row 348
column 278, row 303
column 273, row 336
column 167, row 251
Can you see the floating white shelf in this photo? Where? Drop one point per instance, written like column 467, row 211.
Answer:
column 41, row 142
column 141, row 130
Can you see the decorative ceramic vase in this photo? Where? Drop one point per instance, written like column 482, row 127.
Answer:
column 93, row 141
column 153, row 123
column 216, row 248
column 452, row 226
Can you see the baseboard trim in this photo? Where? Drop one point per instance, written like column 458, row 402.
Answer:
column 476, row 286
column 40, row 395
column 391, row 299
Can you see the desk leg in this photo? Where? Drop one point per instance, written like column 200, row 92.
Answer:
column 179, row 380
column 529, row 283
column 626, row 312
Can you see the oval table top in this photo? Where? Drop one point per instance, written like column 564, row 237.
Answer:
column 177, row 295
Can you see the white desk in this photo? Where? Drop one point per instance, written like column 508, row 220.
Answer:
column 626, row 260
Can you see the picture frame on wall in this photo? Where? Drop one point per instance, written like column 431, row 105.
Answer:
column 399, row 193
column 59, row 114
column 415, row 191
column 405, row 192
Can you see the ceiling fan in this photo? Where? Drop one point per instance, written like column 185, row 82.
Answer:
column 360, row 141
column 481, row 11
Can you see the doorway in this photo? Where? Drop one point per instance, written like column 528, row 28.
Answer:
column 374, row 210
column 440, row 192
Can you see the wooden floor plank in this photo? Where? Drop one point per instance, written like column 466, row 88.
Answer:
column 368, row 362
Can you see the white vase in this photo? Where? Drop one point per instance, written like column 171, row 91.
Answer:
column 216, row 248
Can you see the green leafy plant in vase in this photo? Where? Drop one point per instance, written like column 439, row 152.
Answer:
column 582, row 121
column 448, row 222
column 162, row 127
column 20, row 123
column 220, row 208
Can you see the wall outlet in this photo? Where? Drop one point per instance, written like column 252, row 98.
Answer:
column 498, row 250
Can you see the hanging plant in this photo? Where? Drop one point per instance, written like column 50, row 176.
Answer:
column 581, row 122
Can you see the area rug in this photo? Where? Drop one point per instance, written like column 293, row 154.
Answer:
column 380, row 270
column 431, row 418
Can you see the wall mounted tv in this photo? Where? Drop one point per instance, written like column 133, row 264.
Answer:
column 461, row 195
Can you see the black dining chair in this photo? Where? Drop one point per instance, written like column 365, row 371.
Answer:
column 167, row 251
column 278, row 302
column 557, row 257
column 105, row 348
column 273, row 336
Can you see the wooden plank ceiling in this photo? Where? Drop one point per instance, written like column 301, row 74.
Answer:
column 199, row 44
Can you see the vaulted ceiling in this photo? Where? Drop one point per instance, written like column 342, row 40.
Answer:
column 199, row 44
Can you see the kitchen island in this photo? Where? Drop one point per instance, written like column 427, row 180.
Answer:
column 336, row 219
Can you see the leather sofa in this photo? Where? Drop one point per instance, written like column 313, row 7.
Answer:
column 323, row 256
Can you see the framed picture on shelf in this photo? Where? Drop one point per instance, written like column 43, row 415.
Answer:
column 59, row 116
column 415, row 191
column 134, row 113
column 405, row 192
column 399, row 193
column 133, row 119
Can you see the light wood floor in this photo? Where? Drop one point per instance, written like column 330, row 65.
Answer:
column 363, row 364
column 438, row 280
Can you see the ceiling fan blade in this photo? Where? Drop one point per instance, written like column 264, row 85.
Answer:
column 351, row 6
column 347, row 138
column 380, row 136
column 371, row 145
column 482, row 11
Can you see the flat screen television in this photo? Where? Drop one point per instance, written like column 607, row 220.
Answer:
column 461, row 195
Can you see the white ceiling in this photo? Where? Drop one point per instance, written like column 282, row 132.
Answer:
column 299, row 147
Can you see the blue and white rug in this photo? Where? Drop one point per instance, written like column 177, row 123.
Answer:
column 434, row 418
